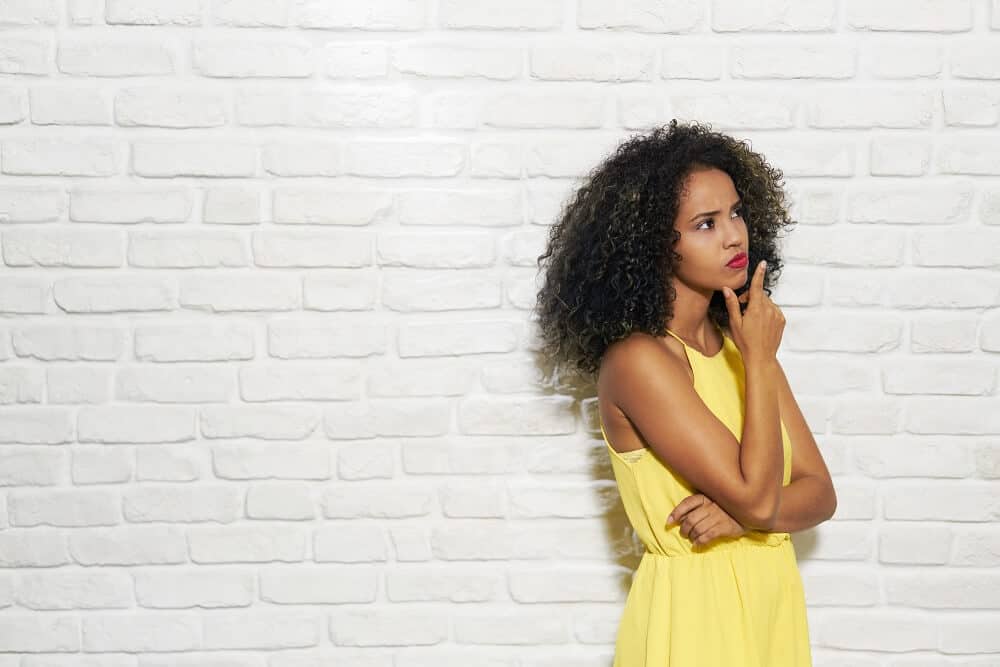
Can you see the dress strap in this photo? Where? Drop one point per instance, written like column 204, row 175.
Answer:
column 686, row 345
column 676, row 336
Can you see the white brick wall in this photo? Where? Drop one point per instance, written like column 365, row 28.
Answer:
column 267, row 391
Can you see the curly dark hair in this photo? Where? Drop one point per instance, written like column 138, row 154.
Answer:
column 606, row 271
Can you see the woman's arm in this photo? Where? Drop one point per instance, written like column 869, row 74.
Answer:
column 760, row 448
column 809, row 499
column 803, row 504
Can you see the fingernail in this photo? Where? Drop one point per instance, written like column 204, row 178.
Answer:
column 670, row 518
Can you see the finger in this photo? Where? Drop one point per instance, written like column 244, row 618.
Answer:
column 757, row 283
column 677, row 515
column 732, row 305
column 707, row 536
column 694, row 519
column 685, row 506
column 700, row 525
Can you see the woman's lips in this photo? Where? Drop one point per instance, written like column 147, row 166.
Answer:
column 739, row 262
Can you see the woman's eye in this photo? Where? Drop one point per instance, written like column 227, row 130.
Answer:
column 738, row 212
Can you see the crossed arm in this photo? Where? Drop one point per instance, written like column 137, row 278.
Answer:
column 807, row 501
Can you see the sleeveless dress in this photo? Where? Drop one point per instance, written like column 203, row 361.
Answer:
column 733, row 602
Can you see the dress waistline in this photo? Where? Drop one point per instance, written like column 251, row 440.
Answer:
column 752, row 540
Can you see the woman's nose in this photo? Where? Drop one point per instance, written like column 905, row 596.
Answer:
column 734, row 232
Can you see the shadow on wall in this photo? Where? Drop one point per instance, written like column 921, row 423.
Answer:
column 624, row 547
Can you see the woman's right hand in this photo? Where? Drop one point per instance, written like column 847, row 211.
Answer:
column 756, row 332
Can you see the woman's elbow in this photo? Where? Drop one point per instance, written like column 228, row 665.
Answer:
column 761, row 517
column 832, row 502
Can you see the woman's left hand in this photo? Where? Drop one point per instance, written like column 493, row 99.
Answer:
column 702, row 520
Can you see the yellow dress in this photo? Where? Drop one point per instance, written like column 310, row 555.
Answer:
column 734, row 602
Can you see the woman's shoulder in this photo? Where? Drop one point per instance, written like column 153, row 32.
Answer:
column 638, row 344
column 639, row 350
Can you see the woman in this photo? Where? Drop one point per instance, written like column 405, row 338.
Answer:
column 713, row 459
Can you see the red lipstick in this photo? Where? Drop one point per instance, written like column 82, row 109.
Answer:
column 738, row 262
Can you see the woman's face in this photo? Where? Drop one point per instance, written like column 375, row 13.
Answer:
column 712, row 231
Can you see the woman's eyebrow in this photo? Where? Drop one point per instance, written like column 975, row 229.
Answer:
column 738, row 202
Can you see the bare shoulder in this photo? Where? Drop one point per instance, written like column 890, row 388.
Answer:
column 642, row 349
column 637, row 350
column 623, row 361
